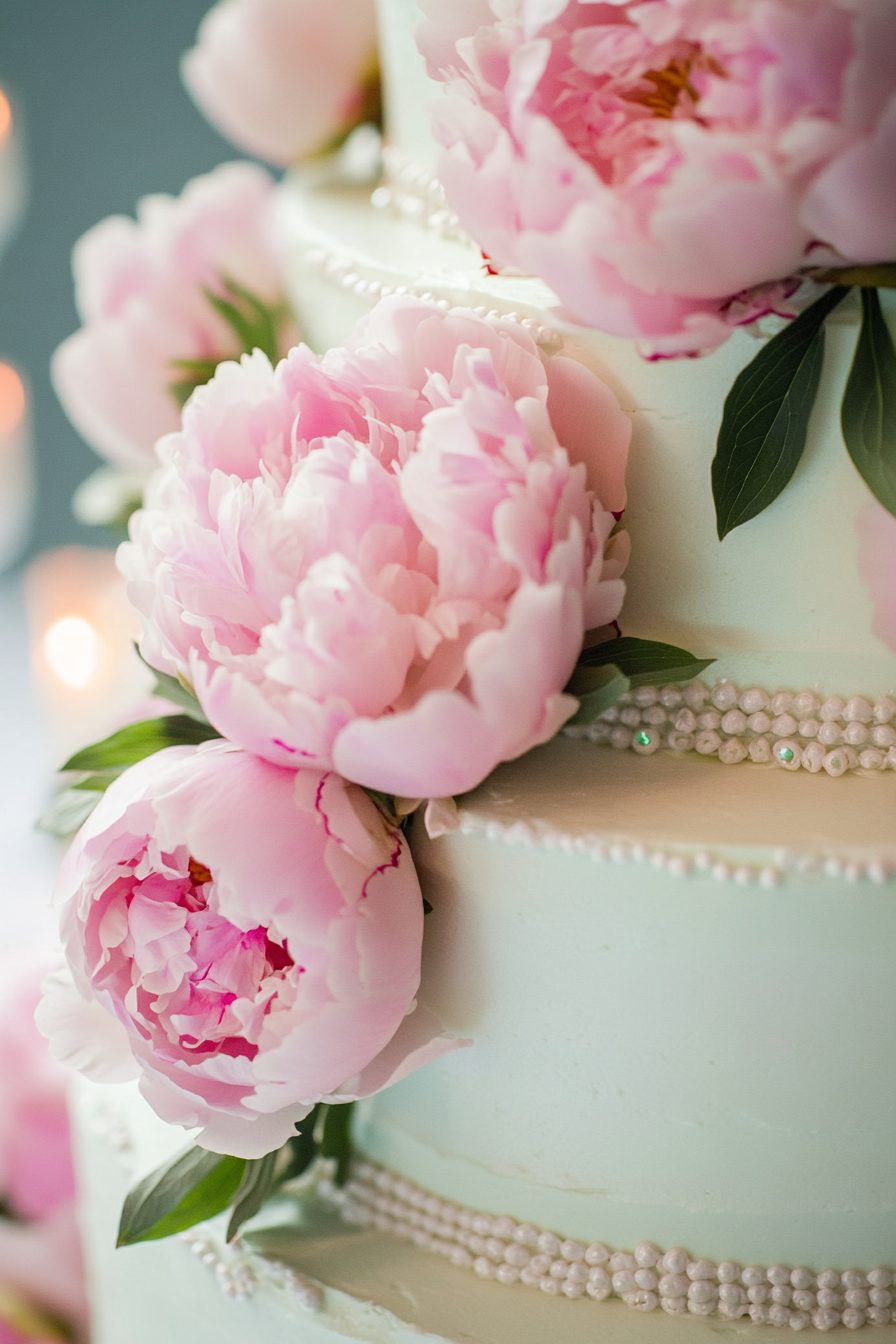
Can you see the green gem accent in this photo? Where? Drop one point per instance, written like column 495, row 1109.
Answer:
column 786, row 754
column 643, row 739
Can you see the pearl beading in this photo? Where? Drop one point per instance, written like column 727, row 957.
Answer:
column 794, row 731
column 374, row 283
column 413, row 192
column 240, row 1274
column 683, row 862
column 646, row 1278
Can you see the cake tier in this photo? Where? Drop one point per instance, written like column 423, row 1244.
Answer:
column 317, row 1285
column 690, row 1041
column 779, row 602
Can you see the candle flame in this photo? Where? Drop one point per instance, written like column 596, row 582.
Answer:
column 5, row 116
column 72, row 650
column 12, row 399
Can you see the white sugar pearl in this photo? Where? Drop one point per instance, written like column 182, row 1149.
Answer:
column 753, row 700
column 645, row 695
column 681, row 741
column 788, row 753
column 852, row 1318
column 809, row 727
column 501, row 1227
column 572, row 1250
column 553, row 1287
column 549, row 1244
column 702, row 1291
column 623, row 1282
column 760, row 750
column 884, row 709
column 571, row 1288
column 879, row 1277
column 707, row 743
column 674, row 1285
column 559, row 1269
column 759, row 722
column 732, row 752
column 516, row 1255
column 621, row 739
column 685, row 721
column 647, row 1255
column 883, row 735
column 671, row 697
column 701, row 1269
column 646, row 1279
column 753, row 1275
column 813, row 757
column 578, row 1272
column 724, row 695
column 856, row 734
column 781, row 703
column 621, row 1260
column 805, row 704
column 709, row 720
column 675, row 1306
column 830, row 733
column 540, row 1264
column 802, row 1277
column 728, row 1272
column 872, row 759
column 696, row 694
column 778, row 1274
column 734, row 722
column 784, row 725
column 858, row 710
column 836, row 763
column 675, row 1261
column 832, row 708
column 825, row 1318
column 507, row 1274
column 598, row 1285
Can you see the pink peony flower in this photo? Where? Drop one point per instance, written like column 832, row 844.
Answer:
column 140, row 292
column 382, row 561
column 282, row 78
column 40, row 1253
column 876, row 533
column 656, row 162
column 246, row 940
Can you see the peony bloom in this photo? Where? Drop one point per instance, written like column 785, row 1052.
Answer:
column 655, row 163
column 282, row 78
column 140, row 289
column 246, row 940
column 383, row 561
column 40, row 1253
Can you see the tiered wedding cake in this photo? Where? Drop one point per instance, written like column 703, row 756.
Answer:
column 675, row 964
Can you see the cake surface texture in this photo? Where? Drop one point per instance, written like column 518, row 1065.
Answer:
column 677, row 977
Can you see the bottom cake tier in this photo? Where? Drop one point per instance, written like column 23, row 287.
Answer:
column 317, row 1283
column 679, row 1101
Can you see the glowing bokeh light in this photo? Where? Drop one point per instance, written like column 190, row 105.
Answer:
column 5, row 116
column 12, row 398
column 72, row 649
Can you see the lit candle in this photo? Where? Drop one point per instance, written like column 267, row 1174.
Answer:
column 89, row 679
column 16, row 468
column 12, row 173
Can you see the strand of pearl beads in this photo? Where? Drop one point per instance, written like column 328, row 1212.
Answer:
column 792, row 730
column 645, row 1279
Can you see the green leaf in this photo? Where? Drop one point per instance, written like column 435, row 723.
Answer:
column 868, row 413
column 67, row 812
column 175, row 690
column 196, row 373
column 333, row 1133
column 195, row 1186
column 137, row 741
column 253, row 322
column 597, row 688
column 881, row 276
column 302, row 1146
column 644, row 661
column 766, row 414
column 260, row 1180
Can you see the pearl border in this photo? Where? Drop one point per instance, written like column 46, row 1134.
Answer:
column 499, row 1248
column 240, row 1274
column 413, row 192
column 791, row 730
column 679, row 862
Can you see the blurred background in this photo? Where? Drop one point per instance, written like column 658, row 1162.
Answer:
column 92, row 116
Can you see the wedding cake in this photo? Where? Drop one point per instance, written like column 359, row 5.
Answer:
column 668, row 931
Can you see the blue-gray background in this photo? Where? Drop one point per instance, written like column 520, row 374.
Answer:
column 95, row 87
